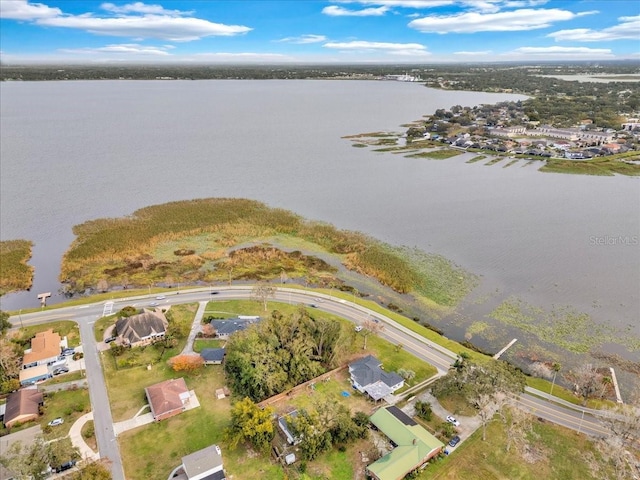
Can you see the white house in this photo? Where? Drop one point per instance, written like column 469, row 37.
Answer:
column 368, row 377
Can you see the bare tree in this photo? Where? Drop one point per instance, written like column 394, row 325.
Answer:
column 517, row 424
column 262, row 291
column 10, row 359
column 585, row 379
column 370, row 326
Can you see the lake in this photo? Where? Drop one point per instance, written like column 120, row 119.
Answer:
column 74, row 151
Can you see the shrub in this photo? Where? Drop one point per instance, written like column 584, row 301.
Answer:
column 423, row 410
column 89, row 430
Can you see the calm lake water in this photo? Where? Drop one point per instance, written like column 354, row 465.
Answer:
column 74, row 151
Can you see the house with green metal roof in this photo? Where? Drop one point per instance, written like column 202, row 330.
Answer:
column 414, row 445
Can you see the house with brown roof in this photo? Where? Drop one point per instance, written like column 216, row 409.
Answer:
column 168, row 398
column 142, row 329
column 22, row 406
column 45, row 349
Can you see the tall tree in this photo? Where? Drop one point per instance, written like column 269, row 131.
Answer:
column 250, row 423
column 556, row 367
column 5, row 324
column 28, row 462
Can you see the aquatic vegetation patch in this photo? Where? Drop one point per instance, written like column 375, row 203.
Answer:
column 562, row 326
column 15, row 273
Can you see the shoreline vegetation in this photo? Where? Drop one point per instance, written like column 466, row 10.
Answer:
column 391, row 142
column 15, row 274
column 224, row 240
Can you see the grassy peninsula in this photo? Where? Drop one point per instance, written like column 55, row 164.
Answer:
column 15, row 274
column 221, row 240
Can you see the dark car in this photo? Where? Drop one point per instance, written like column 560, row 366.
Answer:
column 454, row 441
column 215, row 293
column 68, row 351
column 65, row 466
column 109, row 340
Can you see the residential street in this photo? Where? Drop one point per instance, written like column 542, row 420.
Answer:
column 570, row 416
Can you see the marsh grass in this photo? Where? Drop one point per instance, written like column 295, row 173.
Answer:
column 150, row 248
column 15, row 274
column 441, row 154
column 597, row 166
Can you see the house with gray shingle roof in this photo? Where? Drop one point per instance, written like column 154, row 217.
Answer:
column 367, row 376
column 142, row 329
column 225, row 328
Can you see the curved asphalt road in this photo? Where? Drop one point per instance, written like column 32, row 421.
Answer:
column 86, row 315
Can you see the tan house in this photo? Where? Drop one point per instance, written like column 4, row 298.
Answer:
column 23, row 406
column 45, row 348
column 167, row 398
column 142, row 329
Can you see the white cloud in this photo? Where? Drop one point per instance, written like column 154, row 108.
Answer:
column 403, row 49
column 572, row 52
column 127, row 48
column 22, row 10
column 304, row 39
column 139, row 7
column 336, row 11
column 135, row 20
column 487, row 6
column 473, row 54
column 471, row 22
column 176, row 29
column 627, row 29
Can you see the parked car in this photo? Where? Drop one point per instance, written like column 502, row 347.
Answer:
column 109, row 340
column 55, row 422
column 59, row 370
column 68, row 351
column 358, row 328
column 65, row 466
column 453, row 420
column 454, row 441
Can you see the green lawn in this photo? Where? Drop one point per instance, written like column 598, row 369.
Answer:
column 67, row 404
column 563, row 455
column 201, row 343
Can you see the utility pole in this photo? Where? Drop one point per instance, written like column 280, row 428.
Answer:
column 20, row 316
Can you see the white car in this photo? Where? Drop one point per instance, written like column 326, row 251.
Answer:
column 358, row 328
column 56, row 421
column 453, row 420
column 161, row 297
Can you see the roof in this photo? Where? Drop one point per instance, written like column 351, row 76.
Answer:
column 138, row 327
column 33, row 372
column 232, row 325
column 212, row 354
column 370, row 376
column 203, row 461
column 23, row 402
column 167, row 396
column 414, row 444
column 44, row 345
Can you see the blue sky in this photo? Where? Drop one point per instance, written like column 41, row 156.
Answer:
column 313, row 31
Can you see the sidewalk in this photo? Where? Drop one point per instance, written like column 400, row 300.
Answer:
column 77, row 441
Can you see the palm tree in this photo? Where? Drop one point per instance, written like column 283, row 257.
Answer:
column 556, row 368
